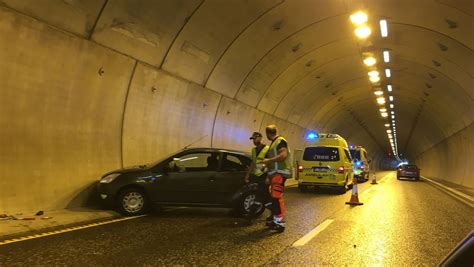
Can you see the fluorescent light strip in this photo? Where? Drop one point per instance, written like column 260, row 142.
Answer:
column 388, row 73
column 383, row 28
column 389, row 88
column 386, row 56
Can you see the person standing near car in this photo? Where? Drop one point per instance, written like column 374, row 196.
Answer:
column 257, row 171
column 278, row 162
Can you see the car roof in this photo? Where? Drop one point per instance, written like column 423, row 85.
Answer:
column 213, row 149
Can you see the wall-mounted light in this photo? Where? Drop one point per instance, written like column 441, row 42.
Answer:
column 373, row 73
column 370, row 61
column 359, row 18
column 363, row 32
column 374, row 79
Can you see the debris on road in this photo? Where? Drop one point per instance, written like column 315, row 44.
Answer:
column 39, row 213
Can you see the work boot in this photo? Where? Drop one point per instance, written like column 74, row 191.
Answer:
column 278, row 224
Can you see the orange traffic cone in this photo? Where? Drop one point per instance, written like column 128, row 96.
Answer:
column 355, row 196
column 374, row 180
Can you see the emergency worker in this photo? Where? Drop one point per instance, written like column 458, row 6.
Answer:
column 278, row 162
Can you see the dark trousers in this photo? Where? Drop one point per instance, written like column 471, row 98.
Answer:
column 263, row 191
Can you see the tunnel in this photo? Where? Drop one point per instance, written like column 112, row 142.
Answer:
column 96, row 85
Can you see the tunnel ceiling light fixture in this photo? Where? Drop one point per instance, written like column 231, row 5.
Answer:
column 359, row 18
column 373, row 73
column 387, row 125
column 383, row 110
column 370, row 61
column 363, row 31
column 390, row 98
column 388, row 73
column 393, row 116
column 386, row 56
column 389, row 131
column 389, row 88
column 378, row 92
column 381, row 100
column 383, row 28
column 384, row 114
column 392, row 105
column 374, row 79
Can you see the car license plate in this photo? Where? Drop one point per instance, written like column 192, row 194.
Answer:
column 318, row 169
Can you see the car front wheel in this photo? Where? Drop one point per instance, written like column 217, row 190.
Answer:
column 132, row 202
column 247, row 205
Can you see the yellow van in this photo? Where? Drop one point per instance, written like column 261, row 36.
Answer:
column 361, row 163
column 325, row 162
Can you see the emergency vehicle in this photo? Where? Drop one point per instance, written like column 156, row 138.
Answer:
column 325, row 162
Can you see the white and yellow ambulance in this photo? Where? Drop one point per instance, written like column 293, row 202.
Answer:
column 325, row 162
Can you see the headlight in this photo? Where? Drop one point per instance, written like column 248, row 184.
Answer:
column 109, row 178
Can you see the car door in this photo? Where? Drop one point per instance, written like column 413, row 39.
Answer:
column 230, row 177
column 188, row 178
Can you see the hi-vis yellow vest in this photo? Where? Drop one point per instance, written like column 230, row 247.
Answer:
column 257, row 159
column 284, row 167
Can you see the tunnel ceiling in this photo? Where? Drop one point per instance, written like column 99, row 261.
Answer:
column 299, row 59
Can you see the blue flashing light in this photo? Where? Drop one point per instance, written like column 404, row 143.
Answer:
column 358, row 163
column 311, row 136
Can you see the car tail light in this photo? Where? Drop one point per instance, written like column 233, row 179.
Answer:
column 300, row 168
column 340, row 169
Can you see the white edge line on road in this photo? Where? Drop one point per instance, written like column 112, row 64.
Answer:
column 459, row 195
column 305, row 239
column 70, row 229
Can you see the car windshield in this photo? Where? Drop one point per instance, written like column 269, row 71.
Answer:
column 321, row 154
column 410, row 167
column 355, row 154
column 160, row 160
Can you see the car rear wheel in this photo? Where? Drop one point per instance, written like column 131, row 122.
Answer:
column 247, row 205
column 132, row 202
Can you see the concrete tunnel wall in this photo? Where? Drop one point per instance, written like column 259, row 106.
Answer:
column 91, row 86
column 65, row 123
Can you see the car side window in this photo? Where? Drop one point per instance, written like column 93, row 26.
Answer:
column 232, row 162
column 194, row 162
column 348, row 155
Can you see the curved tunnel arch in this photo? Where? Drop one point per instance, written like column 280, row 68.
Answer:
column 119, row 81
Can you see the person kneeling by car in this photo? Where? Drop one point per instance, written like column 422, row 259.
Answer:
column 257, row 172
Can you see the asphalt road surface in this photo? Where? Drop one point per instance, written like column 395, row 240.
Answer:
column 400, row 223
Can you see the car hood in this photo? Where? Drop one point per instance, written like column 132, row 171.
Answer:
column 129, row 170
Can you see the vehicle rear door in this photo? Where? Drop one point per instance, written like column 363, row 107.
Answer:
column 230, row 177
column 188, row 178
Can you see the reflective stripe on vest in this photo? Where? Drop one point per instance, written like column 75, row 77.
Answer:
column 259, row 158
column 279, row 167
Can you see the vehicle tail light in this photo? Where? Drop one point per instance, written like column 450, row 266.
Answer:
column 300, row 168
column 340, row 169
column 362, row 167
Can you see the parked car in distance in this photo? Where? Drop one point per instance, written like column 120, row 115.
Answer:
column 408, row 171
column 206, row 177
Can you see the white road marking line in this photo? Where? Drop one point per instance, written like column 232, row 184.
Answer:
column 459, row 195
column 367, row 191
column 71, row 229
column 305, row 239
